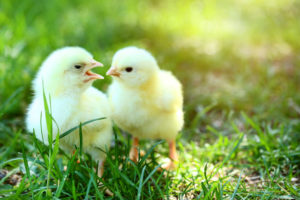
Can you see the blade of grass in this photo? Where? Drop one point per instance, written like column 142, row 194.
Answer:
column 237, row 186
column 9, row 161
column 258, row 130
column 55, row 150
column 200, row 114
column 21, row 187
column 157, row 187
column 51, row 161
column 8, row 175
column 49, row 130
column 12, row 144
column 151, row 173
column 76, row 127
column 9, row 101
column 48, row 118
column 99, row 194
column 150, row 151
column 205, row 174
column 61, row 185
column 88, row 188
column 74, row 193
column 80, row 140
column 208, row 192
column 228, row 156
column 25, row 161
column 141, row 183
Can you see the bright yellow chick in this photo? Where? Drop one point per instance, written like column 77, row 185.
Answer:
column 145, row 101
column 67, row 77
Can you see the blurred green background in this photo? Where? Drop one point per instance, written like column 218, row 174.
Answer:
column 231, row 56
column 236, row 55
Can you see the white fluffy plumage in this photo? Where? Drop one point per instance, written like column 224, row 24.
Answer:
column 66, row 77
column 145, row 101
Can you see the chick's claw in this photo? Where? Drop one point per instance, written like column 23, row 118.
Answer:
column 170, row 163
column 169, row 166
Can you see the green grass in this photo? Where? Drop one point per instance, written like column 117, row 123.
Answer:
column 237, row 60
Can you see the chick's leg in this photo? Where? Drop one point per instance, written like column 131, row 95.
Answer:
column 100, row 168
column 134, row 154
column 172, row 155
column 172, row 151
column 100, row 174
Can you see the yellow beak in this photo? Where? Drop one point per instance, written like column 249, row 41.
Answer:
column 113, row 72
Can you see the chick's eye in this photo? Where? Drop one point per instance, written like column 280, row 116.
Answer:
column 77, row 66
column 128, row 69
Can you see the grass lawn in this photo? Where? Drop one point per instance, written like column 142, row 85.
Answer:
column 238, row 61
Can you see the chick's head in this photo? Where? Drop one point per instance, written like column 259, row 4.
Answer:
column 133, row 66
column 67, row 69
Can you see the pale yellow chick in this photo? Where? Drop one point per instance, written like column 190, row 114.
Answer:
column 67, row 77
column 145, row 101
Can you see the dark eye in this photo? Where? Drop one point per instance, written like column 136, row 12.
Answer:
column 77, row 66
column 128, row 69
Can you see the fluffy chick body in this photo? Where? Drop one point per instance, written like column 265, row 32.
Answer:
column 69, row 107
column 153, row 110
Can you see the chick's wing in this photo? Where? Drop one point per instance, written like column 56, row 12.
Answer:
column 169, row 97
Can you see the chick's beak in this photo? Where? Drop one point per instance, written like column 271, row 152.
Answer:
column 91, row 75
column 113, row 72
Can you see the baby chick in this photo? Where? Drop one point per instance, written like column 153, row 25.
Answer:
column 145, row 101
column 66, row 77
